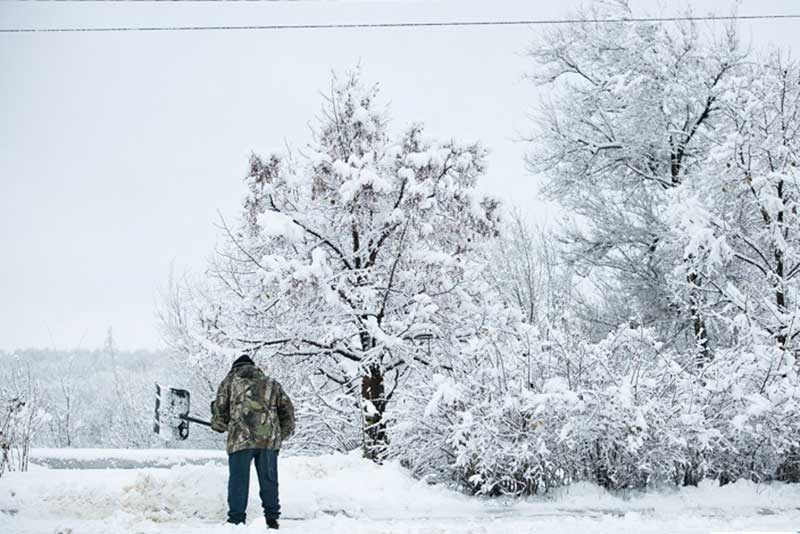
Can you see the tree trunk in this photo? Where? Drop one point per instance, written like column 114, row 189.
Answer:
column 698, row 324
column 780, row 295
column 374, row 406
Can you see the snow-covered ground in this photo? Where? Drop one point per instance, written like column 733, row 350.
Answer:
column 123, row 458
column 340, row 494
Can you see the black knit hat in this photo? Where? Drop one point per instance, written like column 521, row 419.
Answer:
column 242, row 360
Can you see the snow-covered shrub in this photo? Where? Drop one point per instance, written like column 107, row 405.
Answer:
column 624, row 413
column 740, row 417
column 504, row 445
column 439, row 420
column 484, row 427
column 21, row 416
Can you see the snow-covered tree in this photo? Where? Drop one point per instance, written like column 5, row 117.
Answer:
column 64, row 403
column 737, row 226
column 633, row 111
column 737, row 221
column 352, row 259
column 603, row 412
column 677, row 154
column 525, row 267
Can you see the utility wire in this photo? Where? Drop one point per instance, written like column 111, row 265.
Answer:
column 144, row 1
column 474, row 23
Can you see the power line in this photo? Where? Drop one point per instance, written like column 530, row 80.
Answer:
column 474, row 23
column 143, row 1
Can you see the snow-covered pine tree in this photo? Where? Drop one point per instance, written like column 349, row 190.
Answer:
column 352, row 260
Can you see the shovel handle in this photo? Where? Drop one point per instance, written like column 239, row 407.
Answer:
column 195, row 420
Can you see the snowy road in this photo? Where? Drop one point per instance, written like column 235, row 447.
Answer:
column 344, row 494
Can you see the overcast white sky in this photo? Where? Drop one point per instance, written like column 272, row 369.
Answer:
column 117, row 149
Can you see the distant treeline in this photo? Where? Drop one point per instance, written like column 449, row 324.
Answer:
column 89, row 398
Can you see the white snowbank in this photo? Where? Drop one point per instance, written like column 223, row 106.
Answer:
column 122, row 458
column 339, row 494
column 142, row 455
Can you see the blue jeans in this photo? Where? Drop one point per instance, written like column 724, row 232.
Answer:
column 266, row 461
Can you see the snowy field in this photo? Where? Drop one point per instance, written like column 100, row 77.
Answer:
column 184, row 491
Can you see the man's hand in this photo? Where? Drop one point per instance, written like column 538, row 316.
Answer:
column 218, row 428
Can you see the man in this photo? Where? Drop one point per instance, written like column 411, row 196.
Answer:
column 258, row 416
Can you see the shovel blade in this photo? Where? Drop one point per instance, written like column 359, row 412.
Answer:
column 172, row 408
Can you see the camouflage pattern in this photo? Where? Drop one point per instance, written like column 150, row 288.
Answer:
column 253, row 409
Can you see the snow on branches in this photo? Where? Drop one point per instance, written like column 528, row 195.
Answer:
column 654, row 341
column 354, row 258
column 677, row 152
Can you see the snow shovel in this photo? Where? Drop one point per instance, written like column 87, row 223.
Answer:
column 172, row 414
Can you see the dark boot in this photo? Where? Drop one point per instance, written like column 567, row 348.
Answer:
column 272, row 524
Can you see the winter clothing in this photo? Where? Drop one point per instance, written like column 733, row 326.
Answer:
column 272, row 524
column 252, row 408
column 243, row 360
column 258, row 416
column 266, row 461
